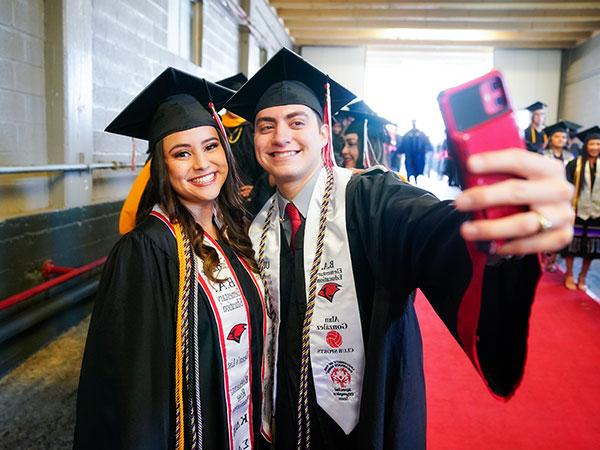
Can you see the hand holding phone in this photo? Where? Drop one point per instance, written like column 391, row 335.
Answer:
column 479, row 119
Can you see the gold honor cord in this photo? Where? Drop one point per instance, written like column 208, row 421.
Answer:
column 181, row 334
column 303, row 415
column 578, row 170
column 235, row 135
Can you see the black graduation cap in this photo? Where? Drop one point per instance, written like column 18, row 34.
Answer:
column 555, row 128
column 234, row 82
column 287, row 79
column 174, row 101
column 593, row 132
column 358, row 127
column 373, row 119
column 535, row 106
column 361, row 107
column 571, row 126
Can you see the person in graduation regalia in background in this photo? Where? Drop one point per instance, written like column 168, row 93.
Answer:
column 256, row 188
column 173, row 358
column 556, row 149
column 375, row 125
column 558, row 136
column 584, row 173
column 357, row 152
column 414, row 145
column 341, row 255
column 535, row 139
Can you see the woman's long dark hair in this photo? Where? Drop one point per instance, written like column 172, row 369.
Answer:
column 229, row 207
column 589, row 138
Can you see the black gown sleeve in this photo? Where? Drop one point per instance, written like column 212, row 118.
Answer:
column 125, row 385
column 570, row 170
column 412, row 241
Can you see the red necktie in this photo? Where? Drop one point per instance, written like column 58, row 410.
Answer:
column 295, row 219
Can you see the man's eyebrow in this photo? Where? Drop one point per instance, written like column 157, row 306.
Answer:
column 265, row 119
column 287, row 117
column 296, row 114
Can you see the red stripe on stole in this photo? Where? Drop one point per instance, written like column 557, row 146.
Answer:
column 223, row 354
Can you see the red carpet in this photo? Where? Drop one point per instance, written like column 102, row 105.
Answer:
column 558, row 403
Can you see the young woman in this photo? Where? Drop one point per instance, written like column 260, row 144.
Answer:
column 357, row 153
column 583, row 172
column 558, row 135
column 174, row 356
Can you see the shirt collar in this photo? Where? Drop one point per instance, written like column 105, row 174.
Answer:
column 302, row 199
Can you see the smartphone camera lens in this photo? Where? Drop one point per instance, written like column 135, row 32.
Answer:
column 496, row 85
column 500, row 101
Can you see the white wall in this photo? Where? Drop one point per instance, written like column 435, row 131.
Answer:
column 581, row 84
column 346, row 65
column 531, row 75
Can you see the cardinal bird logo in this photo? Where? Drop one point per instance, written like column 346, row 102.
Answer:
column 236, row 332
column 328, row 290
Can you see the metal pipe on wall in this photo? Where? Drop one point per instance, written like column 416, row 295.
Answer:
column 22, row 296
column 27, row 319
column 10, row 170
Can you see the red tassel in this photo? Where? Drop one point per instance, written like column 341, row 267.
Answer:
column 328, row 156
column 217, row 119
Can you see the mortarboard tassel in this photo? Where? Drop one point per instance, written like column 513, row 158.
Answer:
column 217, row 118
column 366, row 155
column 328, row 156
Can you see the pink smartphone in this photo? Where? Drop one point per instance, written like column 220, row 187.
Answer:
column 479, row 118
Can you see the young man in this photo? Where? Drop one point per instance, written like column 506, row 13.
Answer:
column 535, row 139
column 341, row 256
column 558, row 138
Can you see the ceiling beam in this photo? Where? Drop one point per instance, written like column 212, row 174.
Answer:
column 435, row 4
column 507, row 15
column 438, row 35
column 542, row 27
column 446, row 44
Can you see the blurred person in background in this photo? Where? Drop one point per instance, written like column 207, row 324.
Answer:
column 583, row 172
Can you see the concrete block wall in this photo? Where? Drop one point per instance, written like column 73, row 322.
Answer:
column 580, row 92
column 70, row 238
column 129, row 47
column 22, row 104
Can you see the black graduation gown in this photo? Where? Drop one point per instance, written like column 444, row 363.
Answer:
column 402, row 238
column 540, row 140
column 126, row 392
column 241, row 140
column 415, row 144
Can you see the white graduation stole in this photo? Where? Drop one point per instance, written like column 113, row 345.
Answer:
column 336, row 341
column 232, row 315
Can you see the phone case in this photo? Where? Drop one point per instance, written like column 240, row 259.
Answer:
column 479, row 118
